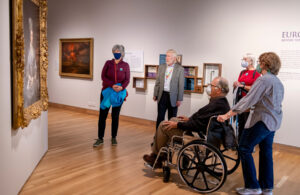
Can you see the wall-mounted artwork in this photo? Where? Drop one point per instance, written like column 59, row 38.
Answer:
column 199, row 85
column 211, row 71
column 162, row 59
column 29, row 60
column 179, row 59
column 76, row 58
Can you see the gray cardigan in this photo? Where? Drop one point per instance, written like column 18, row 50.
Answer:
column 266, row 95
column 176, row 84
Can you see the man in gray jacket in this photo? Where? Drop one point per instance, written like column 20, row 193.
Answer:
column 169, row 87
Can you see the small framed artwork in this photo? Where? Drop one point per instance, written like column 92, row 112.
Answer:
column 29, row 60
column 76, row 57
column 140, row 83
column 179, row 59
column 151, row 71
column 162, row 59
column 199, row 81
column 211, row 71
column 189, row 84
column 199, row 85
column 190, row 71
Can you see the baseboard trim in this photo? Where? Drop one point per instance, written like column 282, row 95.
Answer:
column 95, row 112
column 286, row 148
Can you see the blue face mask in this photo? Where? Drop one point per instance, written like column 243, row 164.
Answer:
column 117, row 55
column 258, row 68
column 244, row 64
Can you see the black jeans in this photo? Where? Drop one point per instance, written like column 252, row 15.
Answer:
column 242, row 119
column 164, row 104
column 114, row 123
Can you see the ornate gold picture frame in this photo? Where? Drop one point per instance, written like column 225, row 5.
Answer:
column 76, row 57
column 29, row 60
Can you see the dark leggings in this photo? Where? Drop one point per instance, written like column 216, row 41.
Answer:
column 114, row 123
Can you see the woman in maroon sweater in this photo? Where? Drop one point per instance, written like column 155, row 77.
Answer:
column 114, row 71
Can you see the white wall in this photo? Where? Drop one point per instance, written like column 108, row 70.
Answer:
column 20, row 150
column 202, row 30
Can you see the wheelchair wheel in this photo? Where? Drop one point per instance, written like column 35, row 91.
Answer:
column 201, row 166
column 166, row 172
column 232, row 159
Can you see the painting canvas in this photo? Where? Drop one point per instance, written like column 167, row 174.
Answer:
column 31, row 86
column 76, row 57
column 29, row 60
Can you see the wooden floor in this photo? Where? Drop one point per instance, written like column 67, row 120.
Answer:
column 73, row 166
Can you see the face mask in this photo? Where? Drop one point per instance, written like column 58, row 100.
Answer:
column 208, row 90
column 117, row 56
column 258, row 68
column 244, row 64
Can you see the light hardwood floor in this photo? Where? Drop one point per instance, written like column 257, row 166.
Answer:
column 73, row 166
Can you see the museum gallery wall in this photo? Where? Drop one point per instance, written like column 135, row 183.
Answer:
column 206, row 31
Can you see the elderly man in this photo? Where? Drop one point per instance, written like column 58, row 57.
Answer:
column 218, row 104
column 169, row 87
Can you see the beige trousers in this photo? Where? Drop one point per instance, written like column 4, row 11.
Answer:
column 163, row 137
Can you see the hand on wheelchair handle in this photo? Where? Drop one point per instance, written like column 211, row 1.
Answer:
column 222, row 118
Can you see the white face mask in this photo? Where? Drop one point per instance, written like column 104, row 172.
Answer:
column 208, row 90
column 244, row 64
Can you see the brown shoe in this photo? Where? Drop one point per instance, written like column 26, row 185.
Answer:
column 150, row 159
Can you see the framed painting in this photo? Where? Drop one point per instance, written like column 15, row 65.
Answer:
column 76, row 58
column 29, row 60
column 210, row 71
column 199, row 85
column 179, row 59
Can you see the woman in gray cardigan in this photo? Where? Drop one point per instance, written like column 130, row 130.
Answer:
column 265, row 118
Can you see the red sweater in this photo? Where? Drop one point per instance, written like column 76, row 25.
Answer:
column 108, row 74
column 248, row 78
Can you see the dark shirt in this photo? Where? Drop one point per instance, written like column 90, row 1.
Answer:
column 199, row 120
column 108, row 74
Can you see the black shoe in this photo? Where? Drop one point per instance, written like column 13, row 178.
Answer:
column 98, row 142
column 114, row 141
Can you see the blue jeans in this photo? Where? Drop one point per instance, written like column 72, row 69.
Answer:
column 258, row 134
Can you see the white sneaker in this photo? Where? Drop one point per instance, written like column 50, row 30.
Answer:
column 248, row 191
column 267, row 192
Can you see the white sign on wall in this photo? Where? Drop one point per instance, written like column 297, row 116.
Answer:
column 135, row 59
column 290, row 56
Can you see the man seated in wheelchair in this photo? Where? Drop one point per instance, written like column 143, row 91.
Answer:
column 218, row 104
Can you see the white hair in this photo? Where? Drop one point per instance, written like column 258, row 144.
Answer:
column 251, row 57
column 173, row 52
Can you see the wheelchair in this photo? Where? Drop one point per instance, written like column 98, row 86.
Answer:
column 202, row 164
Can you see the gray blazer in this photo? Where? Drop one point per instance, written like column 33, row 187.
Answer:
column 176, row 84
